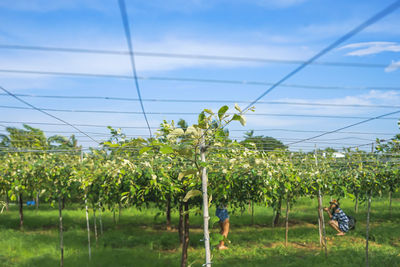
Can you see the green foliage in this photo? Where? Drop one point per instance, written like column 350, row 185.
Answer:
column 166, row 169
column 264, row 143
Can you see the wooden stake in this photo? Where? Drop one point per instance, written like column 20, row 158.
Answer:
column 21, row 212
column 390, row 203
column 101, row 220
column 287, row 222
column 61, row 232
column 206, row 217
column 95, row 224
column 88, row 228
column 367, row 234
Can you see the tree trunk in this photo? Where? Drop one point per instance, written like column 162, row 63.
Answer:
column 21, row 212
column 63, row 203
column 119, row 212
column 367, row 233
column 273, row 218
column 168, row 214
column 61, row 232
column 390, row 203
column 95, row 224
column 278, row 212
column 180, row 225
column 37, row 201
column 252, row 212
column 115, row 222
column 185, row 244
column 287, row 222
column 7, row 201
column 206, row 216
column 356, row 204
column 88, row 228
column 101, row 221
column 321, row 220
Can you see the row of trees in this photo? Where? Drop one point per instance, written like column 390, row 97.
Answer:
column 188, row 168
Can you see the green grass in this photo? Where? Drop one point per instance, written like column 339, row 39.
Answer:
column 140, row 239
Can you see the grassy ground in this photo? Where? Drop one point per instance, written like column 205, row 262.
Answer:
column 141, row 240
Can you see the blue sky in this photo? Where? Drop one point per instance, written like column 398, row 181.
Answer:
column 273, row 29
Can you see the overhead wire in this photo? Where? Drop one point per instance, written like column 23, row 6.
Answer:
column 194, row 113
column 226, row 138
column 196, row 80
column 46, row 113
column 231, row 130
column 231, row 149
column 346, row 127
column 188, row 141
column 137, row 148
column 395, row 5
column 125, row 23
column 204, row 101
column 381, row 14
column 186, row 56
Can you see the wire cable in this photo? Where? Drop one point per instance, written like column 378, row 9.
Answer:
column 231, row 130
column 204, row 101
column 187, row 56
column 46, row 113
column 197, row 80
column 346, row 127
column 125, row 23
column 389, row 9
column 194, row 113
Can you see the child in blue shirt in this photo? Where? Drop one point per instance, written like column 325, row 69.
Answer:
column 338, row 219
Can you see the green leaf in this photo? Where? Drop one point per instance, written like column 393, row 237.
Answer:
column 209, row 111
column 238, row 108
column 203, row 164
column 110, row 144
column 202, row 120
column 186, row 173
column 222, row 111
column 213, row 220
column 192, row 193
column 166, row 150
column 215, row 238
column 144, row 149
column 239, row 118
column 236, row 117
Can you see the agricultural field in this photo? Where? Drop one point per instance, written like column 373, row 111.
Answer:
column 137, row 197
column 130, row 128
column 140, row 238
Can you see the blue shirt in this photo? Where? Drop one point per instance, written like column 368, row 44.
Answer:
column 342, row 219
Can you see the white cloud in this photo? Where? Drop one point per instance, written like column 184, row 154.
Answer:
column 371, row 48
column 373, row 97
column 393, row 66
column 389, row 97
column 386, row 26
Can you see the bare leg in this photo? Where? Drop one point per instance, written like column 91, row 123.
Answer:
column 335, row 225
column 224, row 231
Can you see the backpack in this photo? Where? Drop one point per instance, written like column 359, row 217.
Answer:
column 352, row 222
